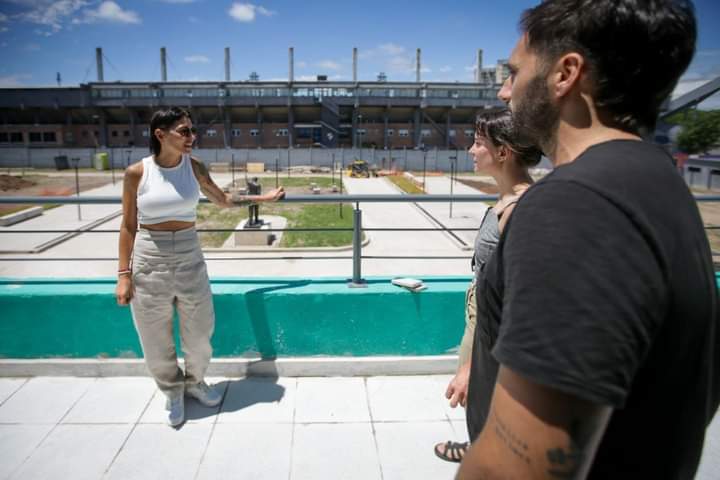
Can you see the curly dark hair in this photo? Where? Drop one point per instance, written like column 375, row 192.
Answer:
column 636, row 50
column 499, row 128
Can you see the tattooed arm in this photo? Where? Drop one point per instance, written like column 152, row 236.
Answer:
column 227, row 200
column 535, row 432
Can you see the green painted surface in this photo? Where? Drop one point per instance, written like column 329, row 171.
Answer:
column 43, row 318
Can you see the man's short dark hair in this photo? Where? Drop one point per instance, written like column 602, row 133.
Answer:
column 164, row 119
column 636, row 50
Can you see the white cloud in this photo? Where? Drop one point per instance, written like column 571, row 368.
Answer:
column 178, row 1
column 197, row 59
column 329, row 65
column 445, row 69
column 471, row 68
column 51, row 13
column 3, row 18
column 246, row 12
column 14, row 80
column 192, row 19
column 302, row 78
column 31, row 47
column 301, row 64
column 4, row 29
column 109, row 11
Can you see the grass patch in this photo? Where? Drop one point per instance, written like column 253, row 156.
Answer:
column 298, row 216
column 405, row 184
column 319, row 215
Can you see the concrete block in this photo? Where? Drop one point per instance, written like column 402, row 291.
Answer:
column 255, row 167
column 17, row 217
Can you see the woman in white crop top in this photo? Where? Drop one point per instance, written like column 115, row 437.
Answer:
column 167, row 271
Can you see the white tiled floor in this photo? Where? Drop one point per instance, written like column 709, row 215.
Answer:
column 380, row 428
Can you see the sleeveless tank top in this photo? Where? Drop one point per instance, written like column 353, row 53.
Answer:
column 166, row 194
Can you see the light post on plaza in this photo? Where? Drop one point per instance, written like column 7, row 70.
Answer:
column 359, row 135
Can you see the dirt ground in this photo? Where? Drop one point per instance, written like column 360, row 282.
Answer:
column 44, row 186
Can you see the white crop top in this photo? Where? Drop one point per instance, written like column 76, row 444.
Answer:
column 166, row 194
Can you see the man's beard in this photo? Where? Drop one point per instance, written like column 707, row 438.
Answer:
column 536, row 116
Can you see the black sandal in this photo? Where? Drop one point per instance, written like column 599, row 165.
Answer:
column 454, row 451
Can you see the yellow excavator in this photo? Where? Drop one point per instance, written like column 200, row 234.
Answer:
column 361, row 169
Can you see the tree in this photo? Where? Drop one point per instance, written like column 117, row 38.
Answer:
column 701, row 130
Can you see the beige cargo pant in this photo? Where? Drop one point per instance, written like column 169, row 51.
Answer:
column 470, row 323
column 169, row 271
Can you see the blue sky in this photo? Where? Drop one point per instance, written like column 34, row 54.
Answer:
column 39, row 38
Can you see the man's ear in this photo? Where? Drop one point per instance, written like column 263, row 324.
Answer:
column 567, row 73
column 159, row 134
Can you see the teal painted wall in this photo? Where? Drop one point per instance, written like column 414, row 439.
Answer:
column 41, row 318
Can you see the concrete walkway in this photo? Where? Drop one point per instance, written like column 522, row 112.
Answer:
column 286, row 428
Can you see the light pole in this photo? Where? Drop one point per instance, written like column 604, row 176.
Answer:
column 359, row 134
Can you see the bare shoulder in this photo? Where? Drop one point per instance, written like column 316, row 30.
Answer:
column 134, row 172
column 506, row 214
column 199, row 167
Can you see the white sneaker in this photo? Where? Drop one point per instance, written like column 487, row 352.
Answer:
column 175, row 405
column 204, row 394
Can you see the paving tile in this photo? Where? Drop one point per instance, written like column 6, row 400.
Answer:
column 331, row 400
column 195, row 412
column 460, row 430
column 74, row 451
column 709, row 468
column 8, row 386
column 406, row 450
column 259, row 400
column 161, row 452
column 338, row 451
column 405, row 399
column 17, row 442
column 43, row 400
column 252, row 451
column 113, row 400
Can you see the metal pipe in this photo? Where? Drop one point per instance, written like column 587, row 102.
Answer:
column 357, row 280
column 227, row 64
column 99, row 63
column 291, row 59
column 354, row 61
column 417, row 65
column 163, row 64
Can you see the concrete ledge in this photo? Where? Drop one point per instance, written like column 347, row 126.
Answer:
column 17, row 217
column 240, row 367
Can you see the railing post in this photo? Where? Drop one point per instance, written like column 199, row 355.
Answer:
column 357, row 281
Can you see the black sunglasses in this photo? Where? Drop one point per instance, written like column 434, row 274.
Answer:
column 187, row 132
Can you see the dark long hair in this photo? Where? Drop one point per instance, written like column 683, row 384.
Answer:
column 499, row 128
column 164, row 119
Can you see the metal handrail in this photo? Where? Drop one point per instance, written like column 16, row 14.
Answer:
column 357, row 228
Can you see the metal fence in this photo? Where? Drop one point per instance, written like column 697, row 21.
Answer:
column 357, row 227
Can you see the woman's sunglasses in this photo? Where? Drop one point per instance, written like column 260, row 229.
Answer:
column 187, row 132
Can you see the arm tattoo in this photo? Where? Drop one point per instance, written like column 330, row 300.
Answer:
column 566, row 461
column 514, row 443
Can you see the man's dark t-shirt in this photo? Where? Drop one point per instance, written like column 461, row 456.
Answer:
column 603, row 287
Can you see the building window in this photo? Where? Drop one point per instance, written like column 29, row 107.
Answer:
column 404, row 132
column 84, row 133
column 425, row 132
column 235, row 132
column 211, row 132
column 362, row 131
column 146, row 132
column 254, row 132
column 114, row 133
column 16, row 137
column 49, row 137
column 451, row 133
column 281, row 132
column 126, row 133
column 69, row 137
column 470, row 133
column 35, row 137
column 390, row 132
column 4, row 137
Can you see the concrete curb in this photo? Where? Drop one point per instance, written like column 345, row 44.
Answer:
column 240, row 367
